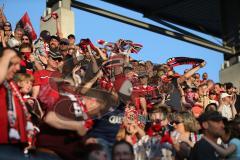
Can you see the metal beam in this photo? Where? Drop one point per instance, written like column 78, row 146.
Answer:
column 150, row 27
column 178, row 29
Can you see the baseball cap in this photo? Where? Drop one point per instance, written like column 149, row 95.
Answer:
column 210, row 115
column 142, row 63
column 223, row 95
column 55, row 37
column 45, row 35
column 64, row 41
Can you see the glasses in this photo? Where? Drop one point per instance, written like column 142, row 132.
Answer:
column 57, row 59
column 176, row 122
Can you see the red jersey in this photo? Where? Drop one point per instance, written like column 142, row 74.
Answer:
column 142, row 91
column 48, row 93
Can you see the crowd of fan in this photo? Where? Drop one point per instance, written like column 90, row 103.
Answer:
column 62, row 100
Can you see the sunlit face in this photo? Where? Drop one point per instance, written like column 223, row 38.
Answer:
column 18, row 35
column 25, row 51
column 54, row 63
column 25, row 86
column 159, row 117
column 212, row 96
column 14, row 67
column 54, row 43
column 217, row 88
column 7, row 27
column 25, row 39
column 129, row 74
column 71, row 40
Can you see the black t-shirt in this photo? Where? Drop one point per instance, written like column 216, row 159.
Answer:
column 202, row 150
column 175, row 96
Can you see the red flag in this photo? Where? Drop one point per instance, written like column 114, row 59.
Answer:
column 26, row 24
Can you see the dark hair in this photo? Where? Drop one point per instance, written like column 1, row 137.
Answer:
column 71, row 36
column 208, row 107
column 30, row 38
column 89, row 148
column 12, row 49
column 228, row 85
column 26, row 45
column 232, row 128
column 120, row 143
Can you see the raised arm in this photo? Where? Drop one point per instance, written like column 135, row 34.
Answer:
column 90, row 83
column 190, row 72
column 93, row 60
column 3, row 18
column 103, row 56
column 224, row 152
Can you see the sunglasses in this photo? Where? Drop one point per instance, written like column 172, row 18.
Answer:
column 57, row 59
column 26, row 52
column 176, row 122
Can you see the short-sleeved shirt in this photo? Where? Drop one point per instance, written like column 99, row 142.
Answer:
column 236, row 154
column 48, row 93
column 202, row 150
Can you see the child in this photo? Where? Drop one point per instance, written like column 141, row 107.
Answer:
column 25, row 83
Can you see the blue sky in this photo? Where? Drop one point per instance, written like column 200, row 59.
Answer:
column 157, row 48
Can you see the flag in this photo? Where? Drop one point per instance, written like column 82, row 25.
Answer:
column 26, row 24
column 136, row 47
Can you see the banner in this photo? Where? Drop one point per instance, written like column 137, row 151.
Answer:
column 26, row 24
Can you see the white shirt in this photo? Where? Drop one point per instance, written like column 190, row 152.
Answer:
column 227, row 112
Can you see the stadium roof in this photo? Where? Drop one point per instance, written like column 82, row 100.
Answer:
column 200, row 15
column 218, row 18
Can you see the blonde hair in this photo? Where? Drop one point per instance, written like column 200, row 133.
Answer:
column 189, row 121
column 121, row 134
column 19, row 77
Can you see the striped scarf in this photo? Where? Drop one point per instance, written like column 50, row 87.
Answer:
column 12, row 114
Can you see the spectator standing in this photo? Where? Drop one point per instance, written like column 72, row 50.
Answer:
column 213, row 128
